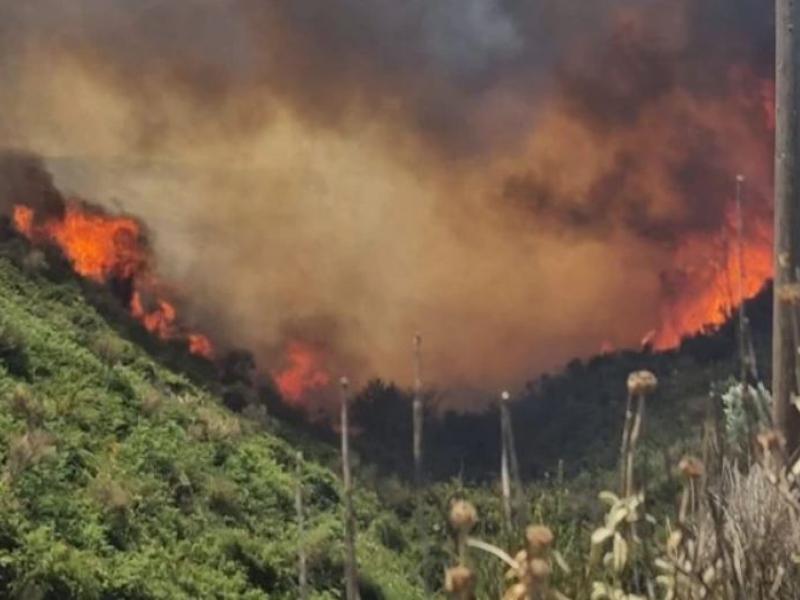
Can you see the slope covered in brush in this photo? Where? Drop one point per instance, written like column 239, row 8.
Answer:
column 122, row 478
column 574, row 417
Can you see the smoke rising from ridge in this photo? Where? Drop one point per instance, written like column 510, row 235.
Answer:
column 521, row 181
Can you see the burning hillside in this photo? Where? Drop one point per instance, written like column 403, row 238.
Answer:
column 525, row 182
column 111, row 249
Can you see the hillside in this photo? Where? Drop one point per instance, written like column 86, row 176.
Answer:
column 573, row 417
column 124, row 478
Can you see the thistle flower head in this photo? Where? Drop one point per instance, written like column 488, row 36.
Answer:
column 459, row 581
column 789, row 293
column 521, row 559
column 463, row 516
column 540, row 539
column 518, row 591
column 642, row 383
column 539, row 570
column 691, row 467
column 770, row 440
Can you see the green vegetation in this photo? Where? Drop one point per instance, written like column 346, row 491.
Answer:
column 123, row 478
column 131, row 469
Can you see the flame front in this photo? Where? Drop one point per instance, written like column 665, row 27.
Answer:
column 102, row 247
column 713, row 282
column 303, row 373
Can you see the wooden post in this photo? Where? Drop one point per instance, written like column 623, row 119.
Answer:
column 350, row 565
column 787, row 214
column 505, row 460
column 302, row 567
column 418, row 412
column 513, row 501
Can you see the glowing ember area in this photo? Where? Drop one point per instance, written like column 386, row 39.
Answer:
column 23, row 220
column 709, row 288
column 101, row 247
column 159, row 320
column 200, row 345
column 303, row 372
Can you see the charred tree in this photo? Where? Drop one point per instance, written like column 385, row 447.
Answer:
column 787, row 216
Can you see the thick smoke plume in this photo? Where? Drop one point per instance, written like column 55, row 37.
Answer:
column 521, row 181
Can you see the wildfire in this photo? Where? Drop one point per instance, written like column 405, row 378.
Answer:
column 102, row 247
column 712, row 282
column 303, row 372
column 98, row 246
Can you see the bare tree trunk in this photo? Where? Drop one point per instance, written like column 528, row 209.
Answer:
column 350, row 565
column 418, row 411
column 509, row 467
column 418, row 416
column 518, row 496
column 302, row 568
column 505, row 478
column 787, row 215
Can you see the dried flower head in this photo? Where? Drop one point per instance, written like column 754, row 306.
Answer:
column 691, row 467
column 540, row 538
column 463, row 516
column 459, row 581
column 505, row 396
column 539, row 569
column 521, row 559
column 770, row 440
column 642, row 383
column 518, row 591
column 789, row 293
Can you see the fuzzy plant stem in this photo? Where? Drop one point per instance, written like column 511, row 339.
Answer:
column 635, row 432
column 351, row 573
column 687, row 501
column 623, row 453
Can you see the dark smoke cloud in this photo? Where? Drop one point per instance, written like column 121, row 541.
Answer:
column 644, row 82
column 355, row 171
column 24, row 178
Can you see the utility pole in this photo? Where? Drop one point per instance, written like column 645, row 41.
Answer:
column 510, row 481
column 350, row 566
column 787, row 215
column 418, row 412
column 505, row 460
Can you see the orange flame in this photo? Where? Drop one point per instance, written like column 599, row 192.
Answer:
column 98, row 246
column 200, row 345
column 713, row 283
column 101, row 247
column 303, row 372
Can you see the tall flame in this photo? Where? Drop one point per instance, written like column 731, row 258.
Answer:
column 303, row 372
column 719, row 273
column 101, row 247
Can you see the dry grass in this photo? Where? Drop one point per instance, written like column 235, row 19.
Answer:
column 736, row 536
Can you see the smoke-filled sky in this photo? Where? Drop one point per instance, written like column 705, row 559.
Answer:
column 522, row 181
